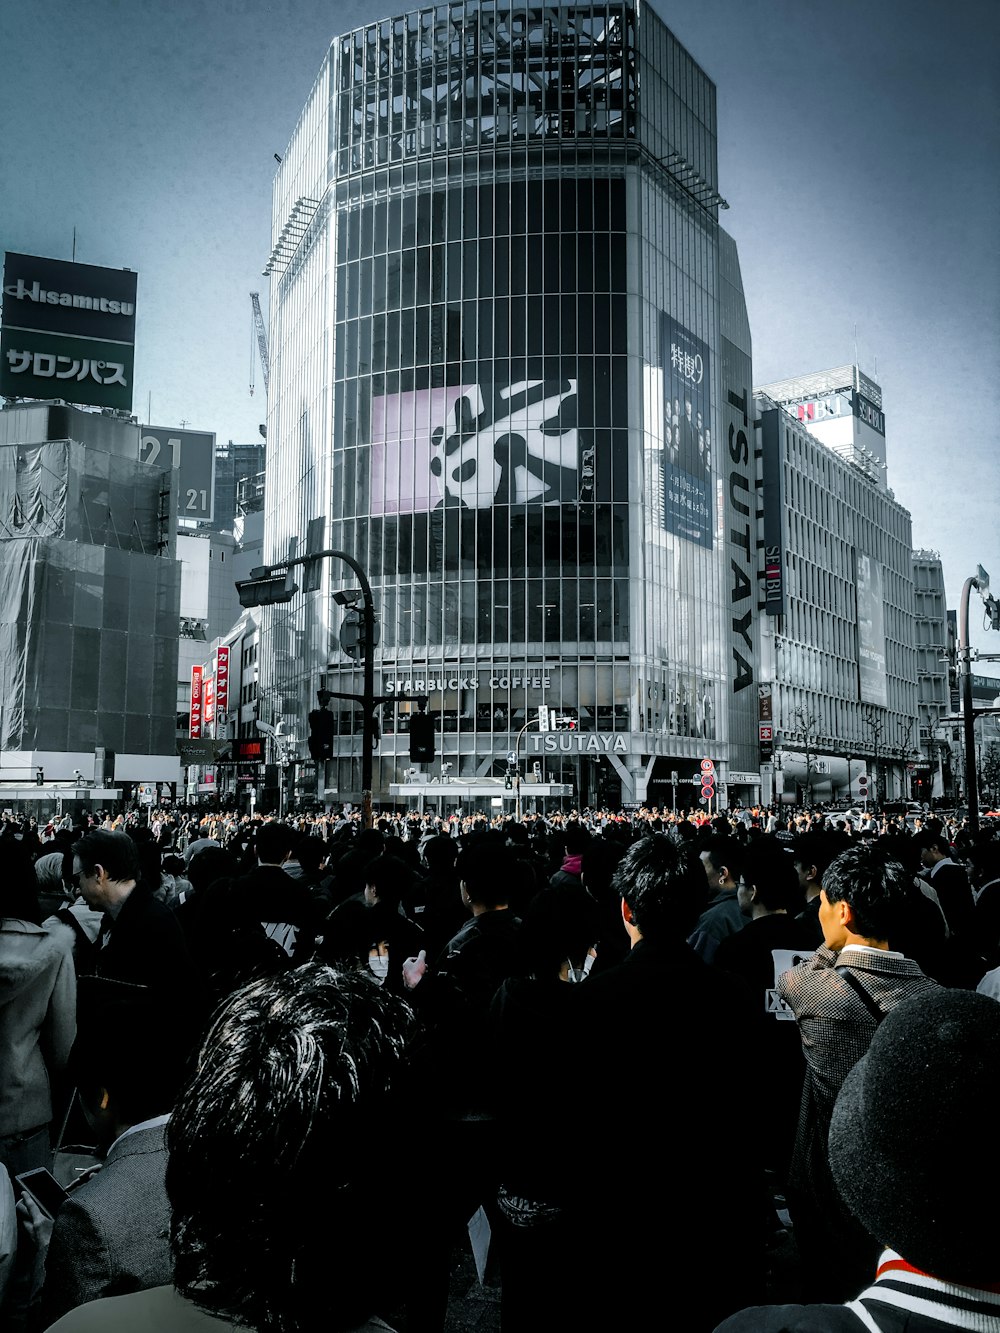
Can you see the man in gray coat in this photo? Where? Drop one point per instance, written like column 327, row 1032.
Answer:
column 112, row 1235
column 839, row 996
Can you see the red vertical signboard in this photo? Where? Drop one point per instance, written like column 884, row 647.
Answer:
column 196, row 705
column 222, row 682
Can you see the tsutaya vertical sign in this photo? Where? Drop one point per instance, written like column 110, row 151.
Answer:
column 68, row 331
column 741, row 515
column 222, row 682
column 196, row 704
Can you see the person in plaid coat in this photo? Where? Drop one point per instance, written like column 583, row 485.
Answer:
column 839, row 996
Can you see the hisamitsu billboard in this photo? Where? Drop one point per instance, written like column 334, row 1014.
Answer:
column 68, row 331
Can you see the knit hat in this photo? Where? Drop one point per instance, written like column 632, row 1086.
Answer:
column 910, row 1143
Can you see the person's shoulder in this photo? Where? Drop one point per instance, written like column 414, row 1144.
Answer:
column 790, row 1319
column 155, row 1310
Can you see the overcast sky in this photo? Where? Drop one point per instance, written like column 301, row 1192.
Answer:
column 859, row 149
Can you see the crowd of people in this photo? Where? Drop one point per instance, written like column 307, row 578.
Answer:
column 636, row 1053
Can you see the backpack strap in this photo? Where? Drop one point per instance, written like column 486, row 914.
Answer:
column 861, row 992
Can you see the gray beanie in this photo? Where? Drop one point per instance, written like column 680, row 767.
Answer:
column 911, row 1149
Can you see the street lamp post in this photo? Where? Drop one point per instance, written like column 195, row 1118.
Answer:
column 265, row 587
column 532, row 722
column 968, row 715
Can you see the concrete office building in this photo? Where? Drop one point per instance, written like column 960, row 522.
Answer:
column 510, row 365
column 91, row 593
column 838, row 662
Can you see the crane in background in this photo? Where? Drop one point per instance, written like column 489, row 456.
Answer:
column 258, row 323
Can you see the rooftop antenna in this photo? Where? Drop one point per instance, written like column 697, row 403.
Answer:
column 856, row 362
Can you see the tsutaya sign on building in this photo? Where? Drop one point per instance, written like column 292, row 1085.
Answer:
column 576, row 742
column 68, row 331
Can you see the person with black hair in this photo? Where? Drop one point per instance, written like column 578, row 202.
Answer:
column 812, row 852
column 722, row 858
column 948, row 880
column 662, row 1050
column 839, row 996
column 275, row 1146
column 575, row 839
column 539, row 1162
column 772, row 941
column 283, row 905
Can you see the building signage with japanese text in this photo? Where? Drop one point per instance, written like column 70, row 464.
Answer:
column 222, row 679
column 68, row 332
column 196, row 704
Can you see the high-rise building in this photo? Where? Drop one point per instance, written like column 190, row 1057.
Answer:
column 91, row 601
column 930, row 772
column 237, row 469
column 510, row 365
column 838, row 659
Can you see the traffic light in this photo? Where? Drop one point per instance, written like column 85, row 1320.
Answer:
column 321, row 731
column 508, row 779
column 39, row 777
column 421, row 738
column 565, row 723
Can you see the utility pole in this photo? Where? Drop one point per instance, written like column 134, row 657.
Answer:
column 968, row 715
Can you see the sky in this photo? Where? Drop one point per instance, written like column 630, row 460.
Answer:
column 859, row 150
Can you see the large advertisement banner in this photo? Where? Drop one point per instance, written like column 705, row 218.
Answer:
column 871, row 632
column 476, row 446
column 68, row 331
column 687, row 433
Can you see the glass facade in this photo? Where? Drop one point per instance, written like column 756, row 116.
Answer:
column 498, row 306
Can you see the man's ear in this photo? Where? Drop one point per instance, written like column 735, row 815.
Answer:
column 626, row 913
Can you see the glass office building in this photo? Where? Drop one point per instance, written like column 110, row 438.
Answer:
column 511, row 368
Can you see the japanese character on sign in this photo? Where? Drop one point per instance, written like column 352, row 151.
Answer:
column 43, row 365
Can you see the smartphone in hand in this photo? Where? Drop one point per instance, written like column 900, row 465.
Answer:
column 43, row 1188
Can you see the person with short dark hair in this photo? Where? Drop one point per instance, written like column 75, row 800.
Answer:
column 140, row 941
column 722, row 858
column 283, row 905
column 276, row 1146
column 662, row 1047
column 772, row 941
column 948, row 880
column 812, row 852
column 839, row 997
column 575, row 840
